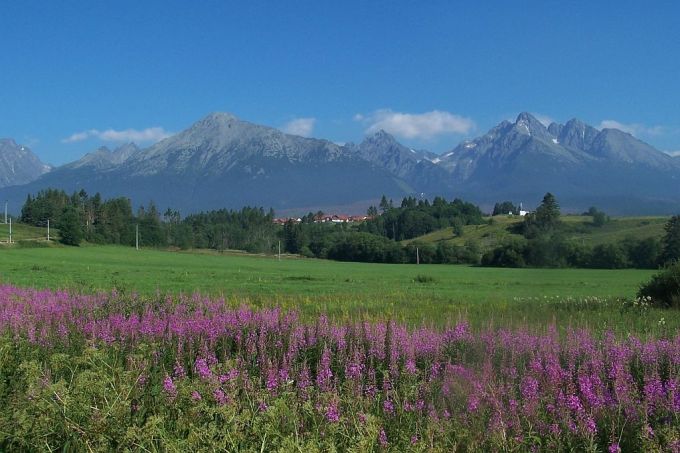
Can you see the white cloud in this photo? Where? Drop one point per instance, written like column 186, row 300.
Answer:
column 151, row 134
column 299, row 126
column 80, row 136
column 673, row 153
column 632, row 128
column 416, row 125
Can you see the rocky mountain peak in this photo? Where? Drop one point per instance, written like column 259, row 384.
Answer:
column 574, row 134
column 125, row 151
column 380, row 138
column 103, row 157
column 18, row 164
column 219, row 117
column 217, row 123
column 528, row 124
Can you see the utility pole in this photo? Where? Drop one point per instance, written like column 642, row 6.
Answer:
column 137, row 237
column 417, row 256
column 48, row 229
column 10, row 230
column 279, row 250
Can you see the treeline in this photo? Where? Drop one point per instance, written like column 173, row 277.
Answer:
column 82, row 217
column 544, row 243
column 250, row 229
column 416, row 217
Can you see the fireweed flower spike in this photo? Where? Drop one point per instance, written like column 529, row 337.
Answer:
column 199, row 358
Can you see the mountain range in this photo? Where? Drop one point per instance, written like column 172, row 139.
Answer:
column 222, row 161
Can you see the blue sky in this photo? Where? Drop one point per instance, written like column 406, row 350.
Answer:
column 78, row 75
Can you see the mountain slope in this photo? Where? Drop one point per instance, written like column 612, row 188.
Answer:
column 418, row 168
column 18, row 164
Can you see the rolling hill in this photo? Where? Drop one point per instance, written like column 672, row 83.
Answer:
column 577, row 228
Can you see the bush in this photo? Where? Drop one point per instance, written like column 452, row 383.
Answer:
column 367, row 248
column 420, row 278
column 423, row 250
column 609, row 256
column 664, row 287
column 643, row 253
column 447, row 253
column 510, row 254
column 306, row 252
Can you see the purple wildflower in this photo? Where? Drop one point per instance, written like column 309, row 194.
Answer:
column 388, row 407
column 382, row 438
column 169, row 387
column 332, row 413
column 220, row 397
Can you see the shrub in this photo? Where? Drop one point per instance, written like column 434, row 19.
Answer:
column 510, row 254
column 609, row 256
column 426, row 252
column 664, row 287
column 420, row 278
column 366, row 247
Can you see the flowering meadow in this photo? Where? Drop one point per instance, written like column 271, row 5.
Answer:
column 181, row 373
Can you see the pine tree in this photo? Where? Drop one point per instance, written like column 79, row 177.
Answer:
column 70, row 227
column 548, row 213
column 671, row 241
column 27, row 211
column 384, row 204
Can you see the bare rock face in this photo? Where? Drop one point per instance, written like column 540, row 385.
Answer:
column 18, row 164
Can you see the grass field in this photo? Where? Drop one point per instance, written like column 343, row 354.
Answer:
column 146, row 271
column 578, row 229
column 425, row 293
column 23, row 232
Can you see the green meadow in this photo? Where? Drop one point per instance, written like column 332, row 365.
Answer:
column 579, row 229
column 23, row 232
column 430, row 294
